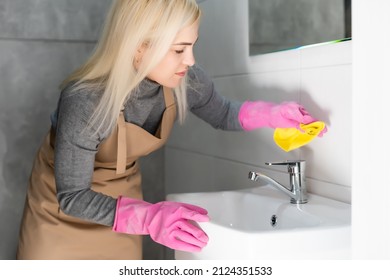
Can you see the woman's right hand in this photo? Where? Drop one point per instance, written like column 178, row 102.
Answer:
column 258, row 114
column 169, row 223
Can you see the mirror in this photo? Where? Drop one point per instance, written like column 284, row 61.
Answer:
column 277, row 25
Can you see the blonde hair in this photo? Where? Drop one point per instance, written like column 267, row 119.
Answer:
column 129, row 25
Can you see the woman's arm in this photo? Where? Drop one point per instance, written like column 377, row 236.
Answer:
column 224, row 114
column 75, row 151
column 206, row 103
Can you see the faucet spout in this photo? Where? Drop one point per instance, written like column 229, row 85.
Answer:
column 255, row 176
column 297, row 190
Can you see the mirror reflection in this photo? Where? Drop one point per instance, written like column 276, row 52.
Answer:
column 276, row 25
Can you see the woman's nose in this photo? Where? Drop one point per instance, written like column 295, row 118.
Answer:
column 189, row 59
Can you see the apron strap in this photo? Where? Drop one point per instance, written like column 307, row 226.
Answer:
column 122, row 143
column 168, row 96
column 122, row 146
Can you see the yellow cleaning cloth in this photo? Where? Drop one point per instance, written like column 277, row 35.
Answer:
column 291, row 138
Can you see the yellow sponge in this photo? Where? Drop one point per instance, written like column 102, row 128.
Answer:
column 289, row 139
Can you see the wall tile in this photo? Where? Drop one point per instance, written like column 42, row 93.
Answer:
column 223, row 44
column 194, row 172
column 271, row 62
column 48, row 19
column 187, row 172
column 28, row 94
column 327, row 91
column 326, row 55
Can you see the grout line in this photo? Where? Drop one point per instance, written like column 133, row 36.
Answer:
column 279, row 70
column 300, row 88
column 326, row 66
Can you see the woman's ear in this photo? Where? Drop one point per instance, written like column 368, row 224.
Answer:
column 139, row 55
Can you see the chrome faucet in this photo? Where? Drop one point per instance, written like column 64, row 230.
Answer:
column 297, row 190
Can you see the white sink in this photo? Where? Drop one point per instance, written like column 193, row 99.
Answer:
column 261, row 223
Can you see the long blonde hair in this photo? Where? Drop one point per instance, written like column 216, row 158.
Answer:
column 129, row 25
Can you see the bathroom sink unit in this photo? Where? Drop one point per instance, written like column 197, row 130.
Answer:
column 261, row 223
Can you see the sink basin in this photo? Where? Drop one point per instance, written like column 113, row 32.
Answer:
column 261, row 223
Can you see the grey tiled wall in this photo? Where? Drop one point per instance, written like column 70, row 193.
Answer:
column 52, row 19
column 41, row 42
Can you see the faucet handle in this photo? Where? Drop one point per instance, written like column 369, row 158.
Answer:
column 294, row 166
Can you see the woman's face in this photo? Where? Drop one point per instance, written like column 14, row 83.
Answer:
column 174, row 65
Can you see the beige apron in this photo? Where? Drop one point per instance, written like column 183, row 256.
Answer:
column 47, row 233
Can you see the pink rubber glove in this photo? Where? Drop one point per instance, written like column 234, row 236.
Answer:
column 168, row 223
column 257, row 114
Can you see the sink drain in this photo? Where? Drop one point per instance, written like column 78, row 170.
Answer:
column 274, row 220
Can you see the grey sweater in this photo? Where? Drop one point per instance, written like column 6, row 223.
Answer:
column 75, row 151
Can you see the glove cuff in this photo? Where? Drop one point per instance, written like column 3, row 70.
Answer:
column 130, row 216
column 253, row 115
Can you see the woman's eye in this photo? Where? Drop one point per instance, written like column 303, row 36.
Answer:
column 179, row 51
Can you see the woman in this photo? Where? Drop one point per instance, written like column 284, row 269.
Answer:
column 84, row 200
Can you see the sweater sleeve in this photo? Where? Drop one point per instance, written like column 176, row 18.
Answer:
column 206, row 103
column 74, row 158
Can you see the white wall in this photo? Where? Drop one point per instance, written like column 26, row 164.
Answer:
column 199, row 158
column 371, row 188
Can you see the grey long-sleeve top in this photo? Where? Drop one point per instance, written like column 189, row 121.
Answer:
column 75, row 151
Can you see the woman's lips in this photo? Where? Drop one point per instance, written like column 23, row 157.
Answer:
column 181, row 74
